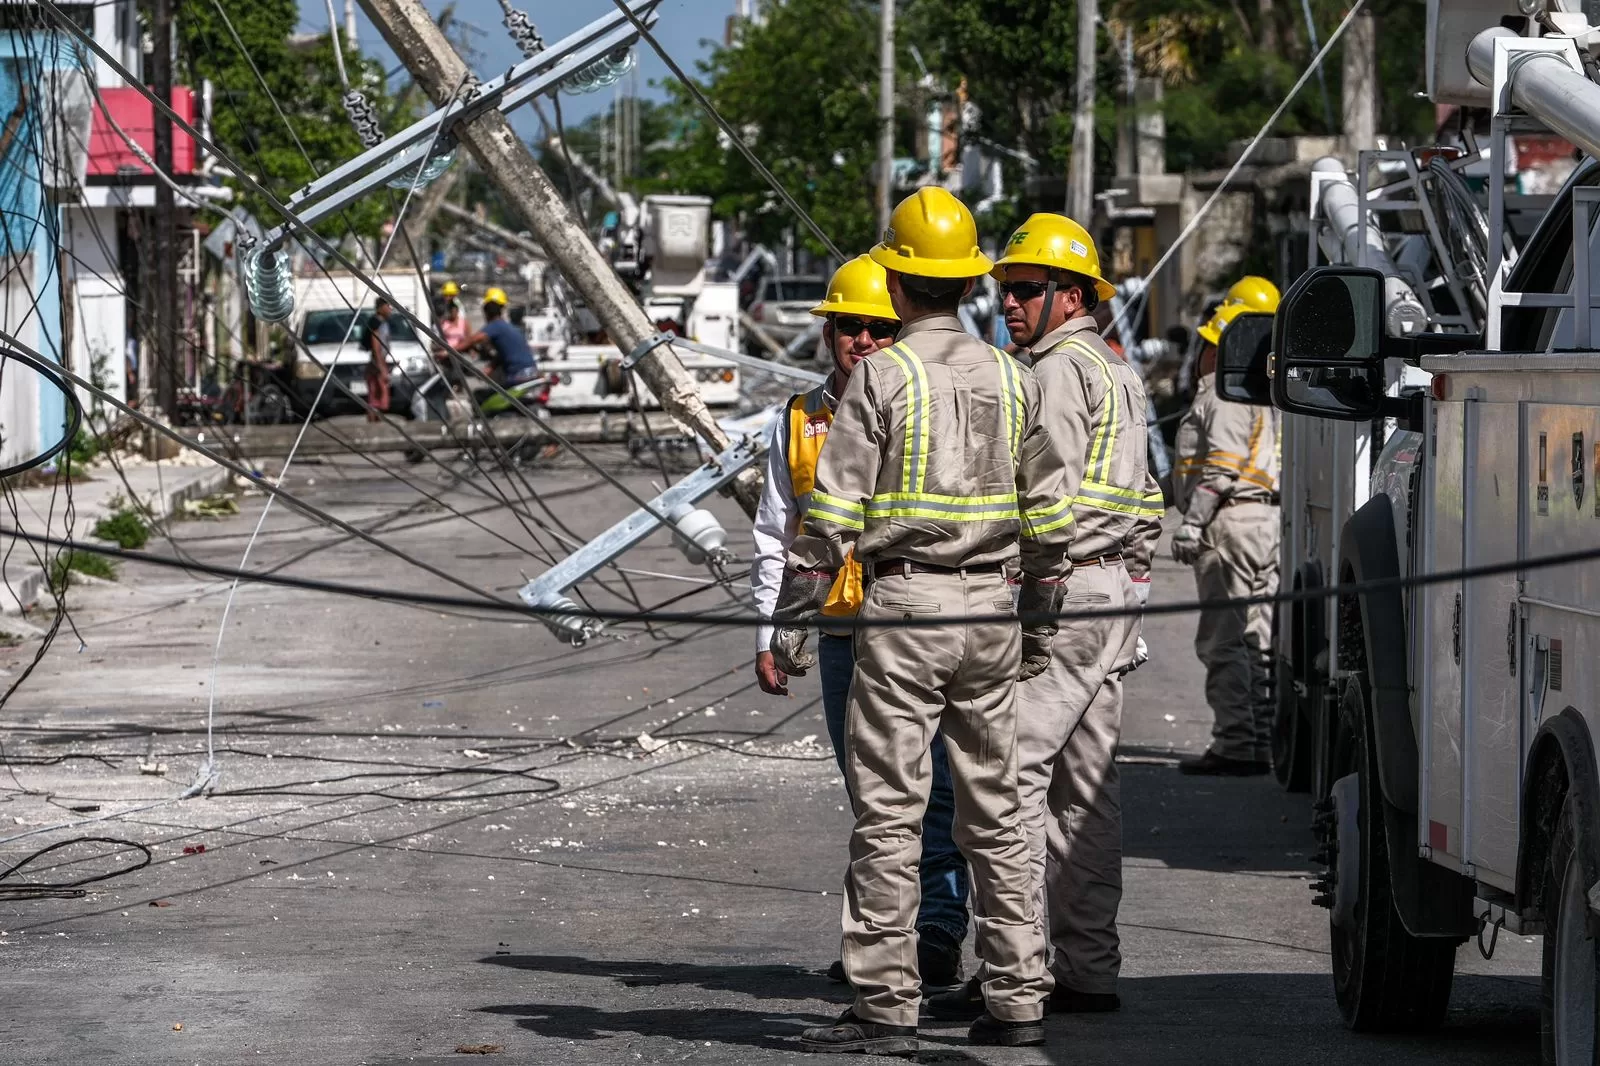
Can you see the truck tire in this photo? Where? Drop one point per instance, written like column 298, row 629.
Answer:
column 1385, row 979
column 1571, row 971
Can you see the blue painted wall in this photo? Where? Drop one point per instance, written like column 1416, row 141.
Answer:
column 29, row 223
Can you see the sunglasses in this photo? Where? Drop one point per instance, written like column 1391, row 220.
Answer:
column 881, row 329
column 1022, row 291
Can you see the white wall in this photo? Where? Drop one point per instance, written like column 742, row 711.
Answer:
column 19, row 386
column 98, row 307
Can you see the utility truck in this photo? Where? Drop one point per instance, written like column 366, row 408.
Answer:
column 1450, row 749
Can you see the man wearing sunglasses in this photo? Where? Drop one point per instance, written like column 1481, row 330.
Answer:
column 1069, row 717
column 858, row 320
column 938, row 477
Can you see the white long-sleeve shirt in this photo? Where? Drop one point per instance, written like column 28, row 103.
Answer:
column 777, row 522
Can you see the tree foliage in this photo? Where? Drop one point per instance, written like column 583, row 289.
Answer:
column 802, row 89
column 304, row 80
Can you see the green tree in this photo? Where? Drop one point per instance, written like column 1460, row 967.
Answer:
column 304, row 80
column 802, row 88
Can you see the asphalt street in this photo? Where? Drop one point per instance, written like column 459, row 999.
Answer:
column 436, row 834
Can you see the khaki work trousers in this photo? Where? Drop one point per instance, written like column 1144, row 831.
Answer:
column 1069, row 720
column 910, row 682
column 1238, row 558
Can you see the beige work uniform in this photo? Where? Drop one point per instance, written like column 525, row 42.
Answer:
column 1070, row 716
column 938, row 458
column 1226, row 480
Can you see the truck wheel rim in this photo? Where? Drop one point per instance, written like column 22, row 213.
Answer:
column 1574, row 976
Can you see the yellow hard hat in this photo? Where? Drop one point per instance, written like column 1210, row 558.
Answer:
column 1255, row 292
column 932, row 235
column 451, row 289
column 496, row 295
column 860, row 287
column 1212, row 330
column 1056, row 242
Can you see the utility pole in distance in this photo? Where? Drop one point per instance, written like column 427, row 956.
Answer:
column 885, row 112
column 163, row 337
column 433, row 62
column 1080, row 177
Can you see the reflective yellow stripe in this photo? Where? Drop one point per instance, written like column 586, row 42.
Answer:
column 1043, row 520
column 1110, row 498
column 825, row 508
column 1010, row 399
column 948, row 512
column 1109, row 415
column 914, row 467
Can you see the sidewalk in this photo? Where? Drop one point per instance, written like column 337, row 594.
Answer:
column 161, row 487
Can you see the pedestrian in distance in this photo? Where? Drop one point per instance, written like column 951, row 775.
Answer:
column 858, row 320
column 378, row 360
column 938, row 477
column 1069, row 717
column 1226, row 483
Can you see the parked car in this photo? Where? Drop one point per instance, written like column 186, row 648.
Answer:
column 783, row 304
column 327, row 341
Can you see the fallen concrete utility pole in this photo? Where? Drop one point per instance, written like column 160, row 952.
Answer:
column 410, row 31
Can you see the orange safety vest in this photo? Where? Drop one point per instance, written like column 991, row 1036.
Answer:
column 810, row 418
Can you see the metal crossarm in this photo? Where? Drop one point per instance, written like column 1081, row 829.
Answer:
column 547, row 591
column 410, row 147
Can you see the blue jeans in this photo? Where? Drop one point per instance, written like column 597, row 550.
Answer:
column 944, row 868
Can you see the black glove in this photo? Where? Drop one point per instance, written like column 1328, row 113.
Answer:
column 1037, row 607
column 800, row 601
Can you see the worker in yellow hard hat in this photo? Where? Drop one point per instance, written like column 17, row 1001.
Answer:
column 858, row 320
column 511, row 361
column 938, row 474
column 1225, row 480
column 1069, row 717
column 1254, row 292
column 1051, row 255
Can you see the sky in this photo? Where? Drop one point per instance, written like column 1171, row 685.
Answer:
column 687, row 29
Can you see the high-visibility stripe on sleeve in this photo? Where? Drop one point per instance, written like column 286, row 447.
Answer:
column 1108, row 497
column 1042, row 520
column 847, row 513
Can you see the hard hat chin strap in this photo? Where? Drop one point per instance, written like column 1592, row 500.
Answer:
column 1044, row 312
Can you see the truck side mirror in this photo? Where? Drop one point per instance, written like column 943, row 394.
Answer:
column 1327, row 358
column 1242, row 360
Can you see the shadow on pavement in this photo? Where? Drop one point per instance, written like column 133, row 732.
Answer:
column 1225, row 1019
column 769, row 1030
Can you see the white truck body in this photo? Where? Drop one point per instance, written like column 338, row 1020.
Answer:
column 1455, row 773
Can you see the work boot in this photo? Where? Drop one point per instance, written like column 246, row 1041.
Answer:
column 851, row 1035
column 958, row 1005
column 938, row 960
column 1210, row 764
column 992, row 1031
column 1065, row 1000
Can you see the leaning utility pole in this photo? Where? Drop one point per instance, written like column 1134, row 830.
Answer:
column 411, row 32
column 1080, row 178
column 164, row 289
column 885, row 112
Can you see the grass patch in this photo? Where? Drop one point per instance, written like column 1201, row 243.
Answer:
column 82, row 562
column 125, row 527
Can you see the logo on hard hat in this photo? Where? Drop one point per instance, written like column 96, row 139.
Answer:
column 1077, row 248
column 1019, row 236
